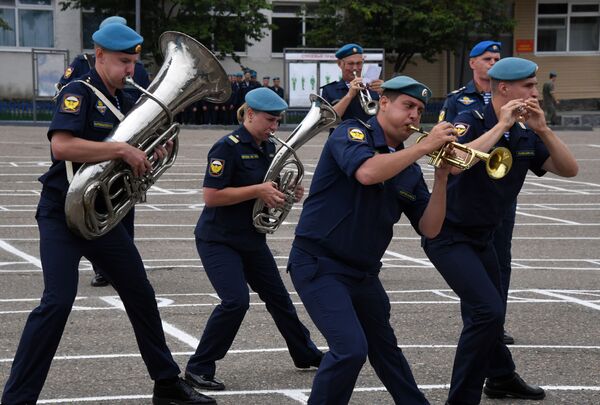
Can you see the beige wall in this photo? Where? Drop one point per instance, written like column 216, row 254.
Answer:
column 578, row 76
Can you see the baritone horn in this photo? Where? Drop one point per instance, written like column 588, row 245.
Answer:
column 101, row 194
column 497, row 163
column 286, row 171
column 367, row 103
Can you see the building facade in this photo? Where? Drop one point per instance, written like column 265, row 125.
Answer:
column 559, row 35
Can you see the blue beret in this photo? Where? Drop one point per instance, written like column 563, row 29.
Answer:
column 266, row 100
column 485, row 46
column 115, row 19
column 511, row 69
column 252, row 73
column 408, row 85
column 118, row 38
column 347, row 50
column 239, row 74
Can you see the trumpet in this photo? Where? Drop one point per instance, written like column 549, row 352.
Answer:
column 366, row 101
column 497, row 163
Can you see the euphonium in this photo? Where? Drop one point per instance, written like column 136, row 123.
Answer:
column 497, row 163
column 286, row 170
column 101, row 194
column 366, row 101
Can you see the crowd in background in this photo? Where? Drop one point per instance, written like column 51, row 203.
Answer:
column 207, row 113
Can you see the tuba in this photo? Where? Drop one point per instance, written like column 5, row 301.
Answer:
column 101, row 194
column 286, row 171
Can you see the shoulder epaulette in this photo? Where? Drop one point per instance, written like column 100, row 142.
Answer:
column 457, row 90
column 364, row 123
column 234, row 138
column 477, row 114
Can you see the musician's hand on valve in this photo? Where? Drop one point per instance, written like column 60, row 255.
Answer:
column 355, row 86
column 510, row 113
column 160, row 152
column 535, row 115
column 137, row 159
column 272, row 197
column 298, row 193
column 439, row 136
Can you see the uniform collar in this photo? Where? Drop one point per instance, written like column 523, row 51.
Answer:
column 470, row 88
column 97, row 82
column 246, row 137
column 378, row 135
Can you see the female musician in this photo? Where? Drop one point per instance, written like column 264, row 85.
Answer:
column 233, row 253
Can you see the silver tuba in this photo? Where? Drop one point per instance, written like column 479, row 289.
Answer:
column 101, row 194
column 286, row 171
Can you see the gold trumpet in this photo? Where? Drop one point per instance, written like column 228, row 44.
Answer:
column 497, row 163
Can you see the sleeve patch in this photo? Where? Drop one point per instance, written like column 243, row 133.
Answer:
column 215, row 167
column 68, row 72
column 355, row 134
column 71, row 104
column 461, row 128
column 442, row 115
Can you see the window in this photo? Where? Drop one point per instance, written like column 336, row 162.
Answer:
column 291, row 23
column 568, row 26
column 31, row 23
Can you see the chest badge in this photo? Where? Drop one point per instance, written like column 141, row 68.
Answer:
column 355, row 134
column 215, row 167
column 466, row 100
column 101, row 107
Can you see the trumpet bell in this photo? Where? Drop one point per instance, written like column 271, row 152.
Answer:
column 499, row 163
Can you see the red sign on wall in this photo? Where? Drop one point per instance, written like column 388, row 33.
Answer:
column 524, row 45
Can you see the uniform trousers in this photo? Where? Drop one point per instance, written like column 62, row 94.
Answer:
column 503, row 244
column 230, row 271
column 353, row 314
column 128, row 223
column 470, row 267
column 60, row 253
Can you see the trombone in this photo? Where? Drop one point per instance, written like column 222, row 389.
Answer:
column 366, row 101
column 497, row 163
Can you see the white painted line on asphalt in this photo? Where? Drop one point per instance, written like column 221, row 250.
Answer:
column 423, row 262
column 297, row 394
column 167, row 327
column 285, row 350
column 11, row 249
column 564, row 221
column 569, row 299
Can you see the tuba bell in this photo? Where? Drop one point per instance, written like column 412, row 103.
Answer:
column 286, row 171
column 101, row 194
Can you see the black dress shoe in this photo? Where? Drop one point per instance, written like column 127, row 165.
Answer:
column 508, row 339
column 179, row 393
column 316, row 362
column 513, row 387
column 99, row 281
column 204, row 382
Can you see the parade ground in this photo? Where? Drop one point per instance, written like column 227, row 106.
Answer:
column 553, row 310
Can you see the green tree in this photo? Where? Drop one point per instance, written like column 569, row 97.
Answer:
column 408, row 27
column 220, row 25
column 4, row 25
